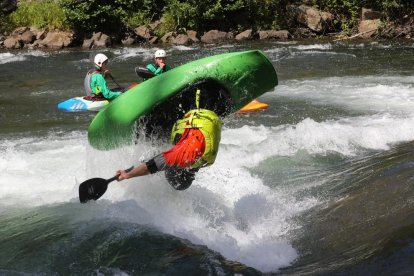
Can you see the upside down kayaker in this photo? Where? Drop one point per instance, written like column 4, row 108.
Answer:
column 196, row 140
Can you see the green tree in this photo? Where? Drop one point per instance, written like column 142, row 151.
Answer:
column 225, row 15
column 39, row 13
column 109, row 16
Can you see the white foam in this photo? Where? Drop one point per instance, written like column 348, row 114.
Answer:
column 381, row 94
column 183, row 48
column 292, row 51
column 37, row 171
column 315, row 53
column 44, row 92
column 84, row 60
column 380, row 45
column 20, row 56
column 144, row 53
column 9, row 57
column 226, row 209
column 225, row 46
column 132, row 52
column 347, row 136
column 37, row 53
column 327, row 46
column 286, row 42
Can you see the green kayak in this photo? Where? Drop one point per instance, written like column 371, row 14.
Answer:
column 227, row 83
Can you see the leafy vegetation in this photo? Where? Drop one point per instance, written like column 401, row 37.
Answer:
column 39, row 13
column 228, row 14
column 116, row 17
column 109, row 16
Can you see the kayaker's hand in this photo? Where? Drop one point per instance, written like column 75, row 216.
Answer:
column 122, row 175
column 162, row 64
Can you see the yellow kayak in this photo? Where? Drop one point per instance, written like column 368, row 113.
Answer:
column 253, row 106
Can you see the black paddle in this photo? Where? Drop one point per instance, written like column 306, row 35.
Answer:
column 113, row 79
column 144, row 73
column 94, row 188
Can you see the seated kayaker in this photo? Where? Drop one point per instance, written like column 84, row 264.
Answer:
column 159, row 66
column 95, row 84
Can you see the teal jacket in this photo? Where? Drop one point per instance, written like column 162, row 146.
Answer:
column 99, row 86
column 156, row 69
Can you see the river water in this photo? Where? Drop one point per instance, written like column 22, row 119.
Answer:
column 319, row 183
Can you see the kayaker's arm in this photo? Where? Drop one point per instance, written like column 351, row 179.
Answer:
column 137, row 171
column 99, row 85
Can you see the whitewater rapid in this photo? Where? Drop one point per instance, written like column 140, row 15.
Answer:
column 228, row 208
column 231, row 207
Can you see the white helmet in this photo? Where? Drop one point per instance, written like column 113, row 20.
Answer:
column 99, row 59
column 160, row 54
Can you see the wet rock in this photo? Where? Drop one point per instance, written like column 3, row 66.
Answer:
column 103, row 41
column 87, row 43
column 273, row 34
column 145, row 35
column 35, row 44
column 153, row 39
column 143, row 32
column 215, row 36
column 24, row 37
column 39, row 33
column 316, row 20
column 367, row 28
column 246, row 35
column 182, row 39
column 57, row 39
column 12, row 42
column 193, row 36
column 27, row 37
column 370, row 23
column 19, row 31
column 177, row 39
column 128, row 41
column 98, row 39
column 154, row 25
column 304, row 32
column 168, row 37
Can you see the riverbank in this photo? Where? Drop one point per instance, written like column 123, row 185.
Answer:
column 304, row 22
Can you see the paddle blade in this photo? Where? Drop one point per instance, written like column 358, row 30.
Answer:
column 144, row 72
column 93, row 188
